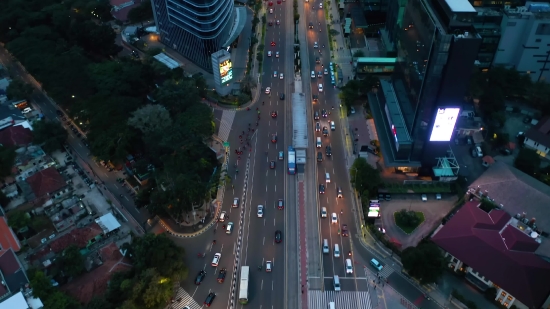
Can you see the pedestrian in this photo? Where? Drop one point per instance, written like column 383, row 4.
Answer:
column 302, row 291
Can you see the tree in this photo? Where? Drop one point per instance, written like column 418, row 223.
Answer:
column 18, row 219
column 425, row 262
column 364, row 176
column 60, row 300
column 161, row 253
column 99, row 303
column 247, row 84
column 19, row 90
column 178, row 96
column 370, row 81
column 51, row 135
column 150, row 118
column 72, row 261
column 407, row 218
column 7, row 159
column 122, row 78
column 41, row 285
column 528, row 161
column 142, row 13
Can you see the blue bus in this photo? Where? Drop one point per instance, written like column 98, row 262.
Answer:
column 291, row 161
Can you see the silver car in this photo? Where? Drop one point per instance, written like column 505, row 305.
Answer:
column 260, row 211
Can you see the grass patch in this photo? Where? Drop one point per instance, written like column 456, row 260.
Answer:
column 408, row 220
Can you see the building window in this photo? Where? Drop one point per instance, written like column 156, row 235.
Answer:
column 510, row 298
column 503, row 294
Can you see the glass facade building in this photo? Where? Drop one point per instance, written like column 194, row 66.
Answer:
column 436, row 48
column 194, row 28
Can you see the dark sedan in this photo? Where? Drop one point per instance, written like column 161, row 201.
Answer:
column 200, row 277
column 221, row 275
column 278, row 236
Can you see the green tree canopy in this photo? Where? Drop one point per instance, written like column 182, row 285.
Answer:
column 142, row 13
column 424, row 262
column 41, row 285
column 7, row 159
column 51, row 135
column 528, row 161
column 72, row 261
column 364, row 177
column 150, row 118
column 18, row 219
column 19, row 90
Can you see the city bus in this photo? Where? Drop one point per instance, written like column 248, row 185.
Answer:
column 243, row 288
column 291, row 161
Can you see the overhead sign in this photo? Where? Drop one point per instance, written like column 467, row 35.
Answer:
column 226, row 71
column 444, row 124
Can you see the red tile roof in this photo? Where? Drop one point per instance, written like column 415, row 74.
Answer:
column 7, row 236
column 78, row 236
column 95, row 283
column 15, row 136
column 46, row 181
column 499, row 252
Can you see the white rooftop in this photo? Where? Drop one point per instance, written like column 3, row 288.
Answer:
column 167, row 61
column 108, row 223
column 299, row 121
column 460, row 6
column 17, row 301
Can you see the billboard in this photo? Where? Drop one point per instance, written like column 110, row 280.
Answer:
column 374, row 210
column 226, row 71
column 444, row 124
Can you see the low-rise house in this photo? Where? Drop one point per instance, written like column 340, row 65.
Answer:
column 44, row 186
column 16, row 136
column 8, row 239
column 13, row 274
column 504, row 246
column 538, row 137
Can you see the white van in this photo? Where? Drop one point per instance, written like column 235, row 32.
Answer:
column 229, row 228
column 327, row 177
column 336, row 283
column 349, row 267
column 318, row 142
column 325, row 246
column 331, row 305
column 336, row 251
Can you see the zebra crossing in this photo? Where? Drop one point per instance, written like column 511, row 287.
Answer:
column 342, row 299
column 386, row 272
column 183, row 299
column 225, row 124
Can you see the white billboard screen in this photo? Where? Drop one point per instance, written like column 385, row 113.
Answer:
column 444, row 124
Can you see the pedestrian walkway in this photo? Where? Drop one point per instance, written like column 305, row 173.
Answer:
column 386, row 272
column 342, row 55
column 342, row 299
column 183, row 299
column 225, row 124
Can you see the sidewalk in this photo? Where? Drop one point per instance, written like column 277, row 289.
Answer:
column 341, row 54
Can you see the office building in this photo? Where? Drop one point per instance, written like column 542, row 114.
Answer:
column 525, row 43
column 416, row 110
column 195, row 28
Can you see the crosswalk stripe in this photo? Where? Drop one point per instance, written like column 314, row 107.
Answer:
column 342, row 299
column 186, row 300
column 386, row 272
column 225, row 124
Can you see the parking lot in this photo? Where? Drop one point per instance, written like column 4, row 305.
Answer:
column 434, row 210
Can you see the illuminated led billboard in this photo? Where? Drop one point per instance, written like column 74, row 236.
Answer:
column 226, row 71
column 444, row 124
column 374, row 210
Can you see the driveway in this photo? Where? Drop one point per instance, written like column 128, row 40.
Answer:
column 434, row 211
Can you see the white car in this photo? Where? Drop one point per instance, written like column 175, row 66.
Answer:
column 326, row 71
column 270, row 11
column 315, row 45
column 321, row 5
column 323, row 212
column 269, row 53
column 27, row 110
column 275, row 74
column 281, row 76
column 216, row 260
column 268, row 266
column 276, row 54
column 424, row 197
column 260, row 211
column 334, row 218
column 236, row 202
column 320, row 87
column 352, row 110
column 437, row 196
column 312, row 74
column 267, row 90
